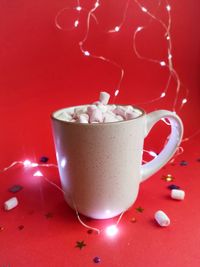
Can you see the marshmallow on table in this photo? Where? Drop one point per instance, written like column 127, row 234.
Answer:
column 161, row 218
column 177, row 194
column 11, row 203
column 104, row 98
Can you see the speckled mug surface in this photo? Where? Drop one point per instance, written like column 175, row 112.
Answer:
column 100, row 164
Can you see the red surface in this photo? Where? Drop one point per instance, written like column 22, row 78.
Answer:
column 42, row 69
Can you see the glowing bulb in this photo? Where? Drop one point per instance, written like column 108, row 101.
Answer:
column 162, row 63
column 117, row 28
column 38, row 173
column 144, row 9
column 27, row 163
column 96, row 4
column 116, row 92
column 163, row 94
column 79, row 8
column 168, row 7
column 86, row 53
column 76, row 22
column 63, row 163
column 184, row 101
column 170, row 56
column 168, row 38
column 112, row 230
column 139, row 29
column 152, row 153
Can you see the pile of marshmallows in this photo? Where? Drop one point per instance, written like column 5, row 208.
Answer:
column 100, row 112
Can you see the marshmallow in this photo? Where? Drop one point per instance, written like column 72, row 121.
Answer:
column 119, row 110
column 83, row 118
column 96, row 116
column 177, row 194
column 11, row 203
column 119, row 118
column 130, row 115
column 109, row 117
column 65, row 116
column 161, row 218
column 79, row 111
column 102, row 107
column 90, row 109
column 104, row 98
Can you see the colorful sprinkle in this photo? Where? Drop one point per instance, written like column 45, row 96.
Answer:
column 140, row 209
column 44, row 159
column 173, row 186
column 96, row 260
column 80, row 244
column 168, row 178
column 15, row 188
column 183, row 163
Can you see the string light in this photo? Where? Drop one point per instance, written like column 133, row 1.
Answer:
column 38, row 173
column 163, row 95
column 112, row 230
column 117, row 28
column 76, row 23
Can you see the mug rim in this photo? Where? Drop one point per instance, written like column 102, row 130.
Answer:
column 99, row 123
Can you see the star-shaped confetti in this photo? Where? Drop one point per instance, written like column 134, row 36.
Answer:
column 183, row 163
column 96, row 260
column 173, row 186
column 140, row 209
column 168, row 178
column 80, row 244
column 49, row 215
column 44, row 159
column 15, row 188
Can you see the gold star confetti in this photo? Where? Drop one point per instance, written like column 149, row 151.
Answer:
column 80, row 244
column 140, row 209
column 168, row 178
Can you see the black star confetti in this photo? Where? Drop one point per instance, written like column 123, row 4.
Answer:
column 44, row 159
column 173, row 186
column 80, row 244
column 20, row 227
column 168, row 178
column 183, row 163
column 49, row 215
column 15, row 188
column 96, row 260
column 140, row 209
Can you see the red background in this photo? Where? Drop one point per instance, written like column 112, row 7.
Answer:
column 41, row 70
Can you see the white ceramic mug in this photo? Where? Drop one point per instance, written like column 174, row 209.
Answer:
column 100, row 164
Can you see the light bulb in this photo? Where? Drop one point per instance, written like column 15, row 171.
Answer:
column 112, row 230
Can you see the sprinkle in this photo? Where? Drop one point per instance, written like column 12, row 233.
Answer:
column 177, row 194
column 96, row 260
column 80, row 244
column 49, row 215
column 133, row 220
column 140, row 209
column 168, row 178
column 183, row 163
column 15, row 188
column 44, row 159
column 20, row 227
column 161, row 218
column 11, row 203
column 173, row 186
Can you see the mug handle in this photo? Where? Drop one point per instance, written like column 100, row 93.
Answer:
column 168, row 151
